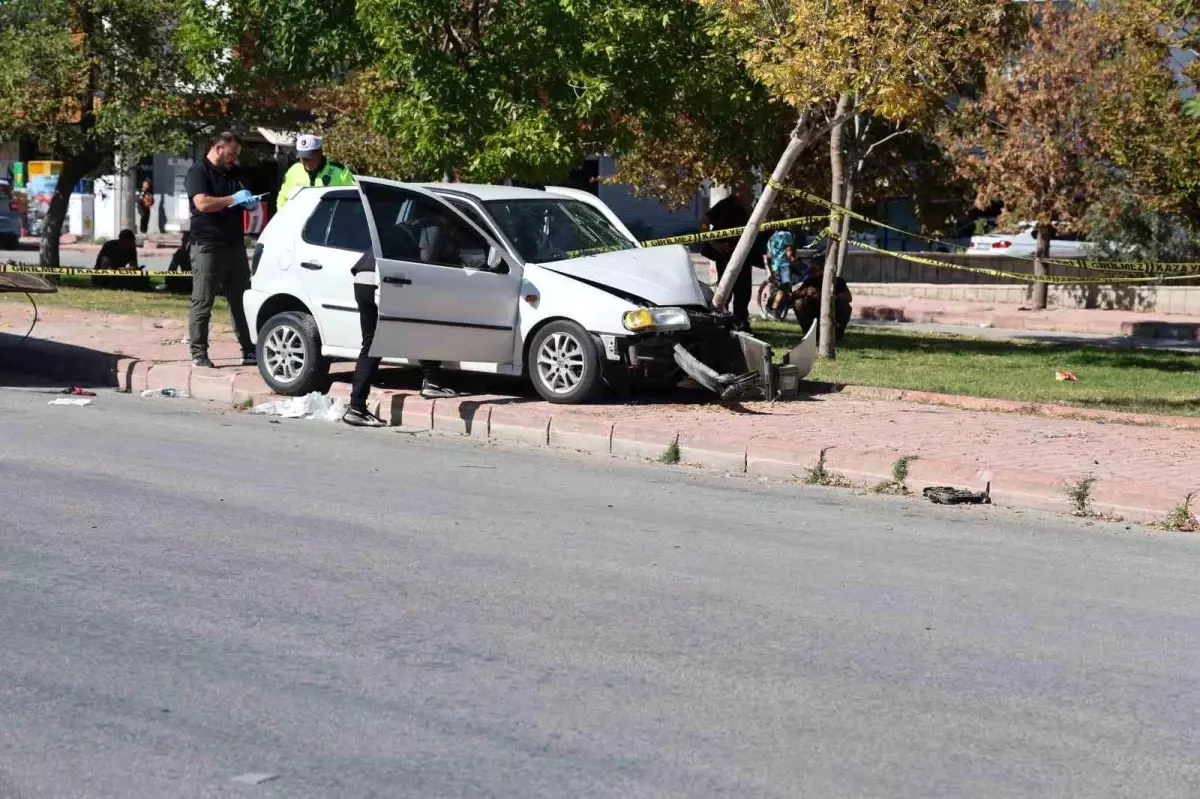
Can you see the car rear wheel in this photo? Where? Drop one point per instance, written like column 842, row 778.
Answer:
column 289, row 355
column 564, row 364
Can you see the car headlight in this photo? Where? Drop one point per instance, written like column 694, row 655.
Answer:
column 644, row 319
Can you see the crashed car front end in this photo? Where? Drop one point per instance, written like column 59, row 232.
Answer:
column 668, row 343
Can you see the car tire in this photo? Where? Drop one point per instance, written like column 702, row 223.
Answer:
column 564, row 364
column 10, row 243
column 289, row 355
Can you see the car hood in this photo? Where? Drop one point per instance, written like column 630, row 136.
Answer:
column 658, row 275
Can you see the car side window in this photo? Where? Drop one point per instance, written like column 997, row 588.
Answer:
column 317, row 227
column 348, row 229
column 415, row 228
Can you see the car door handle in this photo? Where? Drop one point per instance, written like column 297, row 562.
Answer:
column 402, row 281
column 311, row 265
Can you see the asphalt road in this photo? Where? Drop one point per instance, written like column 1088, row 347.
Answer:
column 189, row 595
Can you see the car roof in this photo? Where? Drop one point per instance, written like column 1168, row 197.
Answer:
column 479, row 191
column 486, row 193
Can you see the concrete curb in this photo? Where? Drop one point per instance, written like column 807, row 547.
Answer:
column 502, row 420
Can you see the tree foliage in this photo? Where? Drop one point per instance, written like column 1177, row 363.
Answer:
column 85, row 78
column 527, row 88
column 831, row 59
column 1088, row 108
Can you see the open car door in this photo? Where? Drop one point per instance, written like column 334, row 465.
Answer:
column 447, row 292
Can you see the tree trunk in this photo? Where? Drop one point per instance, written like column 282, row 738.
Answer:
column 800, row 141
column 837, row 163
column 848, row 201
column 1040, row 289
column 74, row 168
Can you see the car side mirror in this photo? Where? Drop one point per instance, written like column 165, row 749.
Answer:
column 495, row 258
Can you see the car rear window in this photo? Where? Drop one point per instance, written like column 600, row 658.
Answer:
column 348, row 230
column 317, row 227
column 339, row 222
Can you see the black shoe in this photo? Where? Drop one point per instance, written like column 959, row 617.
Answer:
column 202, row 362
column 361, row 417
column 250, row 358
column 431, row 390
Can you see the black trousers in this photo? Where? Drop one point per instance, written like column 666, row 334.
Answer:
column 808, row 313
column 144, row 212
column 366, row 367
column 742, row 289
column 218, row 267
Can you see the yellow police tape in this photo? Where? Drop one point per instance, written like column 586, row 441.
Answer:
column 1177, row 269
column 1023, row 277
column 83, row 271
column 710, row 235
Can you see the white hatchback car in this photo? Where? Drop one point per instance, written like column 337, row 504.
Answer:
column 547, row 284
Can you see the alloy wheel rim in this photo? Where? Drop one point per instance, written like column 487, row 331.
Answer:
column 561, row 363
column 284, row 354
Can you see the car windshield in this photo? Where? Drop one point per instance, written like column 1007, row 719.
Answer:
column 555, row 229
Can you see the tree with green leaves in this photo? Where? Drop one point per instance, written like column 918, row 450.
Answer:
column 831, row 59
column 87, row 79
column 490, row 89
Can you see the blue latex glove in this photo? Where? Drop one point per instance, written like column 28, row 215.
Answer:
column 245, row 199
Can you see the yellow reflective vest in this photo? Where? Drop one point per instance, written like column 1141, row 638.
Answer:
column 331, row 173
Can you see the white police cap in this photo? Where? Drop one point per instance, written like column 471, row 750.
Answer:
column 307, row 144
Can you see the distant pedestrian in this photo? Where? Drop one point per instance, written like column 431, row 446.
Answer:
column 145, row 202
column 217, row 244
column 312, row 169
column 119, row 253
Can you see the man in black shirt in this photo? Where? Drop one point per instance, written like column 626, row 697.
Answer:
column 731, row 213
column 217, row 245
column 119, row 253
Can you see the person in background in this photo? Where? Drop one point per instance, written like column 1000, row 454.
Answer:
column 217, row 244
column 313, row 169
column 808, row 298
column 181, row 261
column 119, row 253
column 145, row 200
column 782, row 261
column 727, row 214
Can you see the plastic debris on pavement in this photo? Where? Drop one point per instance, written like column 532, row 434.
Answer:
column 1065, row 377
column 78, row 402
column 164, row 392
column 254, row 778
column 316, row 406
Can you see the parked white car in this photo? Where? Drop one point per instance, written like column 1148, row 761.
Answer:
column 547, row 284
column 1022, row 243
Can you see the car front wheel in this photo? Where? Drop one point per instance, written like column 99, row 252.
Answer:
column 289, row 355
column 564, row 364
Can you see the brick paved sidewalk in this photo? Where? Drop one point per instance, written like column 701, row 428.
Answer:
column 1141, row 471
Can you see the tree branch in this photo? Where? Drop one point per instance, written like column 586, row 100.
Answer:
column 883, row 141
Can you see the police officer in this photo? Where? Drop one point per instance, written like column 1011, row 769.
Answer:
column 313, row 169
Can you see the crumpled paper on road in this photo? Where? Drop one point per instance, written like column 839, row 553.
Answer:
column 316, row 406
